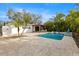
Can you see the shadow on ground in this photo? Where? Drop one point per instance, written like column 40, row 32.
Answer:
column 76, row 41
column 12, row 37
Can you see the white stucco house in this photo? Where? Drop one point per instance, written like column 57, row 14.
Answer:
column 8, row 30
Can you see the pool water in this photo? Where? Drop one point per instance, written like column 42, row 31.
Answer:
column 56, row 36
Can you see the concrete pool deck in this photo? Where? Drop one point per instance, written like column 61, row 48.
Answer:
column 32, row 45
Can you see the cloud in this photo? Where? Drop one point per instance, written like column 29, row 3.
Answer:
column 41, row 11
column 4, row 18
column 3, row 12
column 46, row 17
column 21, row 10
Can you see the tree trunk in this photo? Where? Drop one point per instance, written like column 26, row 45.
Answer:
column 23, row 31
column 18, row 31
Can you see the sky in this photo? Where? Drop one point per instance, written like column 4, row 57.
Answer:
column 47, row 10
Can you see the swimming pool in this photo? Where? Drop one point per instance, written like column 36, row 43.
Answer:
column 56, row 36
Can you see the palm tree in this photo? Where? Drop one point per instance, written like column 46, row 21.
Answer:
column 70, row 19
column 73, row 15
column 58, row 19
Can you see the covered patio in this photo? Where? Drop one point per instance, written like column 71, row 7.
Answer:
column 38, row 28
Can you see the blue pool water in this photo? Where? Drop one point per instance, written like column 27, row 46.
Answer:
column 52, row 36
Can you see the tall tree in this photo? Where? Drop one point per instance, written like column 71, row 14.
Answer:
column 49, row 25
column 58, row 19
column 10, row 13
column 15, row 19
column 72, row 19
column 36, row 19
column 26, row 20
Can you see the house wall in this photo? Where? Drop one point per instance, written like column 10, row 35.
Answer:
column 11, row 30
column 6, row 30
column 33, row 28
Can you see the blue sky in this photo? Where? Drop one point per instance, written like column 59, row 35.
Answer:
column 47, row 10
